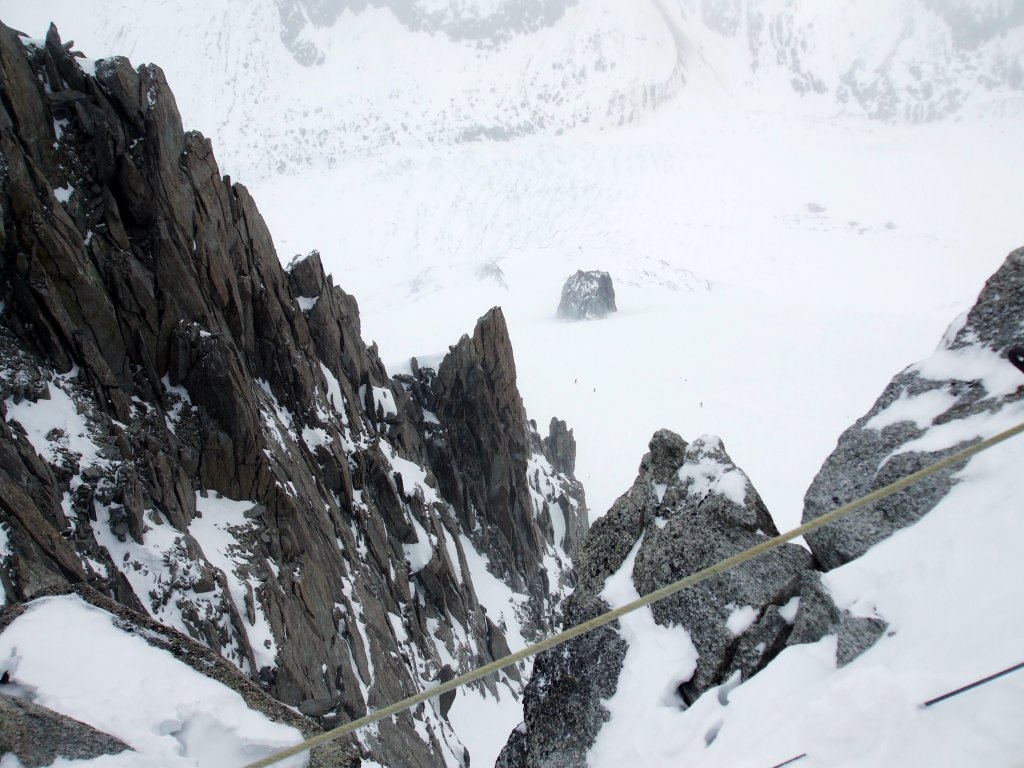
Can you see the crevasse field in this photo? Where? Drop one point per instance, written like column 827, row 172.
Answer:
column 777, row 257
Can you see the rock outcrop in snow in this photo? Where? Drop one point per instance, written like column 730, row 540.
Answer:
column 37, row 736
column 613, row 696
column 930, row 410
column 689, row 508
column 203, row 436
column 587, row 296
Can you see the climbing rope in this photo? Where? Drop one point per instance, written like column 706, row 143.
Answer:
column 645, row 600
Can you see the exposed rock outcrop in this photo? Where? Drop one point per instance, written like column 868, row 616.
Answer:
column 497, row 472
column 167, row 387
column 587, row 296
column 37, row 736
column 689, row 508
column 928, row 411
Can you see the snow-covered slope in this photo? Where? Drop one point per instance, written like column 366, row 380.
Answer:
column 774, row 262
column 72, row 657
column 282, row 86
column 940, row 576
column 942, row 584
column 745, row 309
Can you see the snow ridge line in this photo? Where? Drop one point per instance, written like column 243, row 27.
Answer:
column 643, row 601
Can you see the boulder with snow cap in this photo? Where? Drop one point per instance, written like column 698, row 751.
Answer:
column 709, row 511
column 587, row 296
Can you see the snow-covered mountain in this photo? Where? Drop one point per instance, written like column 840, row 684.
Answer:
column 773, row 662
column 201, row 435
column 282, row 85
column 738, row 206
column 783, row 230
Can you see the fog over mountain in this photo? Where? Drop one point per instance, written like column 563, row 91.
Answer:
column 287, row 84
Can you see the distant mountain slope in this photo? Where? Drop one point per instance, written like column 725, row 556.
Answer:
column 911, row 60
column 287, row 84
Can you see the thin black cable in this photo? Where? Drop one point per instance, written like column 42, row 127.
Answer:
column 937, row 699
column 975, row 684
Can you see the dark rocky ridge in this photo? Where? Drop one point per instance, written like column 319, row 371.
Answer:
column 141, row 290
column 689, row 508
column 867, row 458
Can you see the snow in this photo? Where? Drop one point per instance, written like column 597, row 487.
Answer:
column 5, row 552
column 63, row 194
column 948, row 626
column 419, row 553
column 383, row 399
column 55, row 425
column 788, row 611
column 171, row 715
column 503, row 605
column 657, row 661
column 315, row 437
column 215, row 532
column 709, row 476
column 958, row 432
column 180, row 401
column 334, row 394
column 741, row 619
column 539, row 472
column 972, row 363
column 307, row 303
column 921, row 409
column 414, row 477
column 484, row 723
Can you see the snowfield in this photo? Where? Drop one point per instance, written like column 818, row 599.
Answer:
column 787, row 221
column 70, row 657
column 949, row 625
column 776, row 255
column 771, row 272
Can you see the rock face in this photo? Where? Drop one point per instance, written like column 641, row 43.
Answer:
column 37, row 736
column 587, row 296
column 689, row 507
column 167, row 387
column 928, row 411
